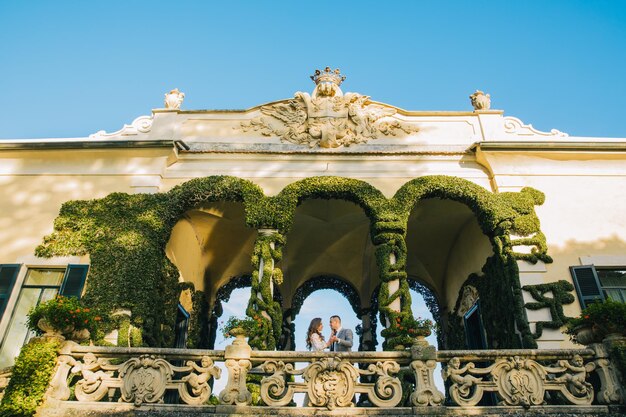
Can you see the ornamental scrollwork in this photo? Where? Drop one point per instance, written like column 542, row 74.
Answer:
column 328, row 118
column 519, row 381
column 144, row 379
column 331, row 382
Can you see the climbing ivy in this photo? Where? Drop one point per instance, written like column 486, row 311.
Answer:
column 29, row 378
column 561, row 294
column 126, row 235
column 267, row 253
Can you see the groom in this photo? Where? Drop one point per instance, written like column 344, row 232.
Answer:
column 340, row 339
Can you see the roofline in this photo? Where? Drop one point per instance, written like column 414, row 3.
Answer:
column 85, row 144
column 531, row 146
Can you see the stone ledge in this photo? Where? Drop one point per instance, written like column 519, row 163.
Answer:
column 101, row 409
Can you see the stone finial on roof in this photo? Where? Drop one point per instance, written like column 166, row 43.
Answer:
column 480, row 100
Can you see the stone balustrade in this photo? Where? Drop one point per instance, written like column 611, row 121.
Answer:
column 148, row 376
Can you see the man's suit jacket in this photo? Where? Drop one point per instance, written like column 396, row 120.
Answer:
column 344, row 344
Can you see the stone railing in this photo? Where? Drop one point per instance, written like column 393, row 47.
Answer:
column 524, row 378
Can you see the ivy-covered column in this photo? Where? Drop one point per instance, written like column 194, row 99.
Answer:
column 262, row 307
column 394, row 299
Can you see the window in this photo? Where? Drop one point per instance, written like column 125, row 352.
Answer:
column 597, row 283
column 39, row 285
column 613, row 283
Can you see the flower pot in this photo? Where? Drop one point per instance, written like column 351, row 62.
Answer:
column 51, row 331
column 420, row 340
column 80, row 335
column 585, row 335
column 239, row 333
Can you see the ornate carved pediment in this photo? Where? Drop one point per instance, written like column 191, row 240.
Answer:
column 328, row 118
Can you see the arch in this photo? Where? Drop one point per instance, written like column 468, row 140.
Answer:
column 368, row 197
column 325, row 282
column 195, row 192
column 488, row 208
column 320, row 282
column 430, row 298
column 223, row 296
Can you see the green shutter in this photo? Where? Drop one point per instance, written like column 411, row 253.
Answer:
column 74, row 280
column 8, row 275
column 587, row 284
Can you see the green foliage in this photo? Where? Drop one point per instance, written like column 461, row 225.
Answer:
column 603, row 317
column 125, row 236
column 618, row 358
column 561, row 294
column 267, row 248
column 31, row 374
column 250, row 326
column 64, row 314
column 198, row 335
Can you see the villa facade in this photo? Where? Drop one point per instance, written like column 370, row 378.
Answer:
column 505, row 229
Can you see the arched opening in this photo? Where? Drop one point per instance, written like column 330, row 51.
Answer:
column 445, row 245
column 347, row 306
column 328, row 239
column 210, row 245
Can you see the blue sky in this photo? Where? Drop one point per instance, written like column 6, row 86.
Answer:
column 72, row 68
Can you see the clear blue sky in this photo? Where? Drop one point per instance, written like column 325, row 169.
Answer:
column 72, row 68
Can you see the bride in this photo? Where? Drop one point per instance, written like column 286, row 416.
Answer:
column 314, row 339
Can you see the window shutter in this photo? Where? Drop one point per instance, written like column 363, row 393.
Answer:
column 587, row 284
column 74, row 280
column 8, row 275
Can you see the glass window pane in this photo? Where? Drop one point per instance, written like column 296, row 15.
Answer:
column 613, row 294
column 44, row 276
column 17, row 333
column 612, row 277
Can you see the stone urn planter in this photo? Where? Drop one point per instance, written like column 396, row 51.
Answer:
column 420, row 340
column 239, row 333
column 52, row 332
column 80, row 335
column 585, row 335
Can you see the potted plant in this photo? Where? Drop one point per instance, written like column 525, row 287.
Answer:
column 597, row 321
column 409, row 330
column 63, row 317
column 241, row 328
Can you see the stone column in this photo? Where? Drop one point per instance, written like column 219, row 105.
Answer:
column 393, row 298
column 267, row 252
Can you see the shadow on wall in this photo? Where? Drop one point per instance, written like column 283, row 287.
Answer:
column 570, row 254
column 30, row 206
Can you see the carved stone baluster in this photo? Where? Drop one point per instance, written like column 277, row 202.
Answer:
column 611, row 390
column 423, row 365
column 59, row 388
column 238, row 363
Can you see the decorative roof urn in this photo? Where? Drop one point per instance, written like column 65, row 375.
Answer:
column 174, row 99
column 480, row 100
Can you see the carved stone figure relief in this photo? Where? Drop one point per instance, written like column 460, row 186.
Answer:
column 328, row 118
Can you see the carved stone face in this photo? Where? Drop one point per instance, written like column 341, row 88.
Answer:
column 455, row 363
column 578, row 360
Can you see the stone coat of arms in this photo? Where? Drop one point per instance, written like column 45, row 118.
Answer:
column 328, row 118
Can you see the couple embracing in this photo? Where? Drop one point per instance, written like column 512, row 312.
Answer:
column 340, row 339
